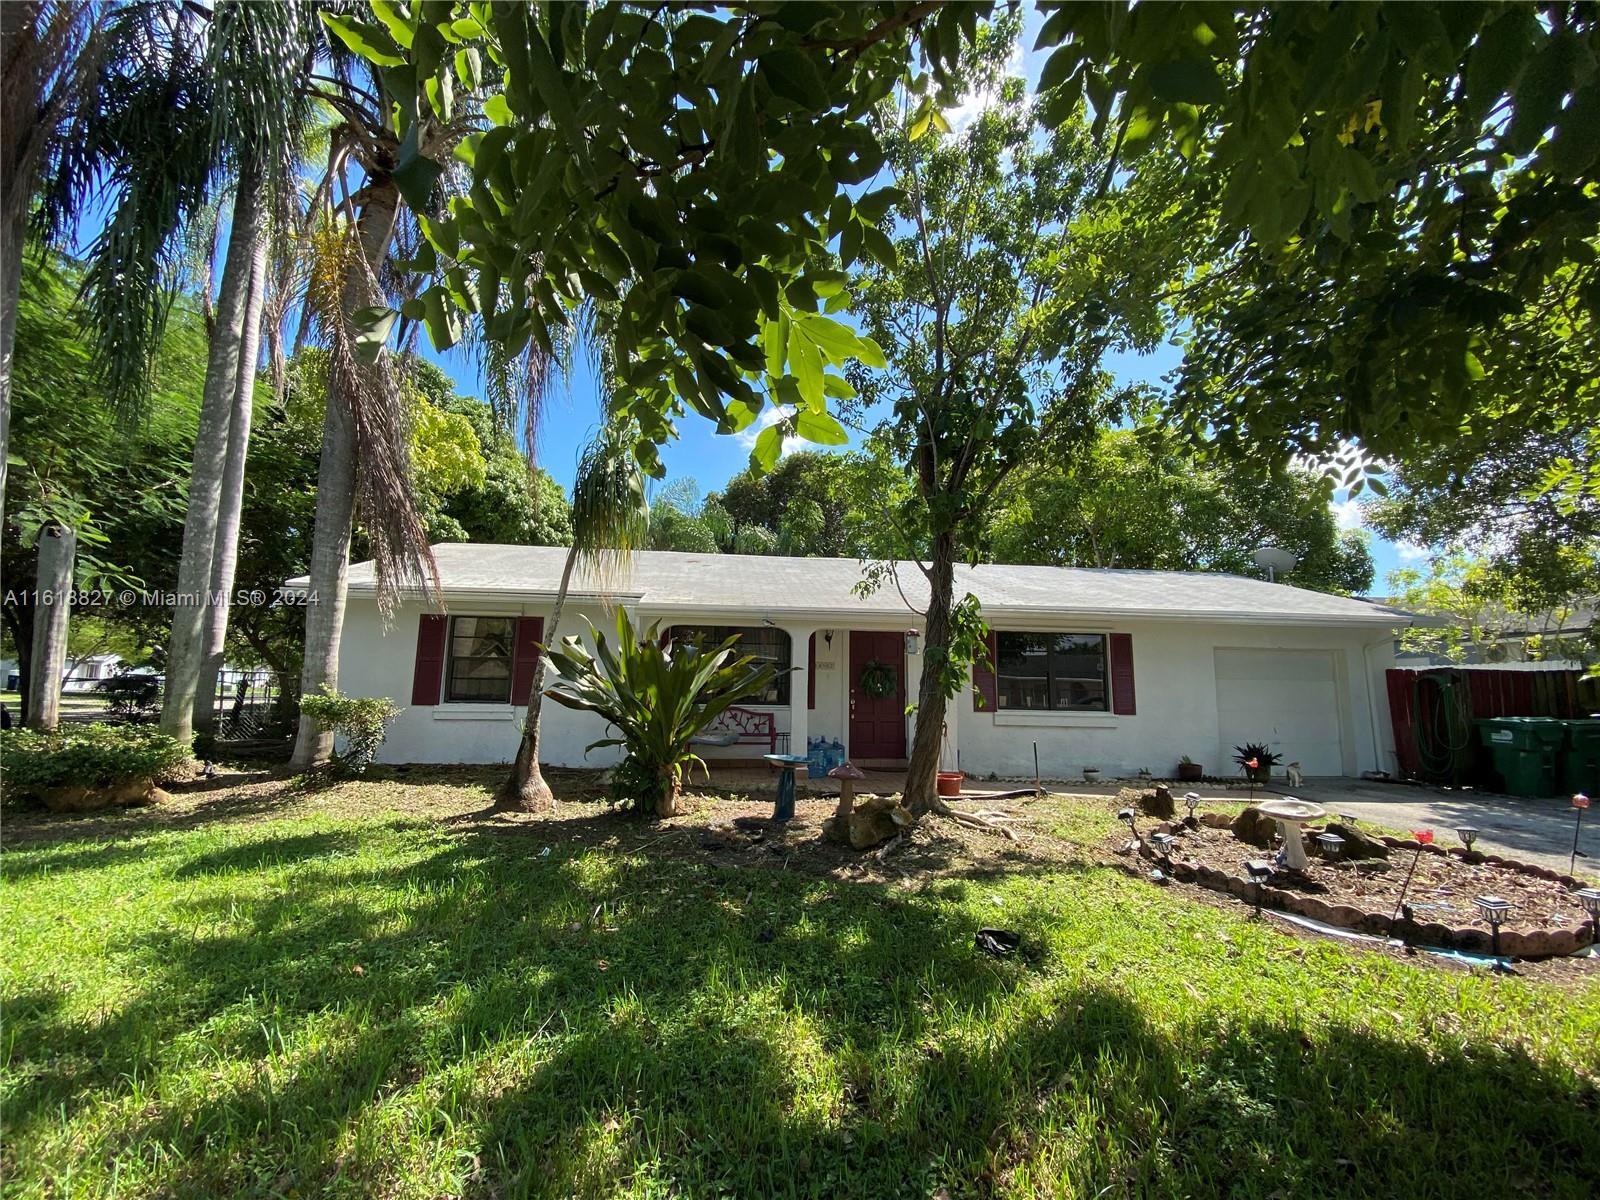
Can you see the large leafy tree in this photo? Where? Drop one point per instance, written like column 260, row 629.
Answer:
column 123, row 490
column 1142, row 500
column 1410, row 204
column 1020, row 262
column 683, row 165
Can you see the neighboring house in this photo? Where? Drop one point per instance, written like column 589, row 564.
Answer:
column 1547, row 641
column 1107, row 668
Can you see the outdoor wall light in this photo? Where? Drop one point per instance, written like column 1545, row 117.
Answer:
column 913, row 641
column 1590, row 899
column 1495, row 910
column 1331, row 844
column 827, row 636
column 1191, row 801
column 1468, row 834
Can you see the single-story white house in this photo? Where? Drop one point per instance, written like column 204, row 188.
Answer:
column 1114, row 669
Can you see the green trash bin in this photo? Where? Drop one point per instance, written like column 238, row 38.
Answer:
column 1526, row 752
column 1580, row 761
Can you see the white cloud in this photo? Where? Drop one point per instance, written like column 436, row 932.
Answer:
column 1346, row 512
column 770, row 416
column 1410, row 552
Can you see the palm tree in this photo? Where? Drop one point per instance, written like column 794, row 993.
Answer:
column 366, row 459
column 183, row 101
column 610, row 520
column 46, row 49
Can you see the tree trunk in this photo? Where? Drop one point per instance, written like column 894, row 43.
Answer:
column 525, row 788
column 922, row 794
column 186, row 646
column 13, row 236
column 225, row 552
column 336, row 493
column 58, row 549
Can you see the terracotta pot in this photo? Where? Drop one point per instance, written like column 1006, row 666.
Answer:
column 949, row 782
column 1191, row 772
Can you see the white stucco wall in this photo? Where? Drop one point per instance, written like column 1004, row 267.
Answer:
column 1175, row 676
column 1176, row 688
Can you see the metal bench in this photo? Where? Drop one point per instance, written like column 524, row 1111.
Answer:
column 744, row 727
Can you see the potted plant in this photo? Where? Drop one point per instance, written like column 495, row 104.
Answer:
column 1190, row 771
column 1091, row 774
column 1256, row 761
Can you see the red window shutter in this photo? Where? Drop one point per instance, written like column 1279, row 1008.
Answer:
column 1122, row 697
column 986, row 694
column 525, row 658
column 429, row 673
column 811, row 672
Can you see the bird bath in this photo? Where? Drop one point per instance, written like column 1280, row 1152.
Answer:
column 1290, row 814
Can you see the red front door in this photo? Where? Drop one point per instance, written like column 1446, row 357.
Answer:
column 877, row 722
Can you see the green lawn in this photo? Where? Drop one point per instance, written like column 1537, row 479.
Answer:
column 314, row 1004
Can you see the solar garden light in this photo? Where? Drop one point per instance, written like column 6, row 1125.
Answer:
column 1259, row 870
column 1579, row 803
column 1163, row 842
column 1424, row 837
column 1331, row 844
column 1191, row 801
column 1468, row 834
column 1495, row 909
column 1590, row 899
column 1128, row 816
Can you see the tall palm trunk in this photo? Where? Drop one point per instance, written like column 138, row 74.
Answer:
column 13, row 235
column 336, row 485
column 526, row 788
column 225, row 553
column 58, row 550
column 187, row 644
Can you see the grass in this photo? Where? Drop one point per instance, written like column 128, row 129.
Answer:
column 312, row 1004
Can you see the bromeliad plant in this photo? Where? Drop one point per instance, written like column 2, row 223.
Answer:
column 1256, row 761
column 658, row 695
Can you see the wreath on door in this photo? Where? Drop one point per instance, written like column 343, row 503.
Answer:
column 878, row 679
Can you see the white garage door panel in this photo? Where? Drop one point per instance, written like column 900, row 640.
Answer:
column 1287, row 698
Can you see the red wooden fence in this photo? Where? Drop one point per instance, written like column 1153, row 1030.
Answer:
column 1421, row 727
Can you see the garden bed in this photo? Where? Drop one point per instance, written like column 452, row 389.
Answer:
column 1365, row 893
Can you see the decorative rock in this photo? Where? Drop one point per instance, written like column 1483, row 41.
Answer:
column 1158, row 803
column 1254, row 829
column 1357, row 845
column 876, row 821
column 1216, row 820
column 130, row 794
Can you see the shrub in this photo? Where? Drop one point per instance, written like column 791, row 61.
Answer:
column 363, row 722
column 129, row 696
column 87, row 756
column 658, row 695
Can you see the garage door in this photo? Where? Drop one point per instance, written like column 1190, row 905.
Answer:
column 1286, row 698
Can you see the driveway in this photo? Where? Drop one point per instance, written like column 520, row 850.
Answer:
column 1537, row 831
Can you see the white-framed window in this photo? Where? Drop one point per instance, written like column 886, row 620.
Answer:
column 759, row 641
column 479, row 659
column 1057, row 672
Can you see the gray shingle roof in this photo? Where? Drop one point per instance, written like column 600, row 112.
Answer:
column 771, row 585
